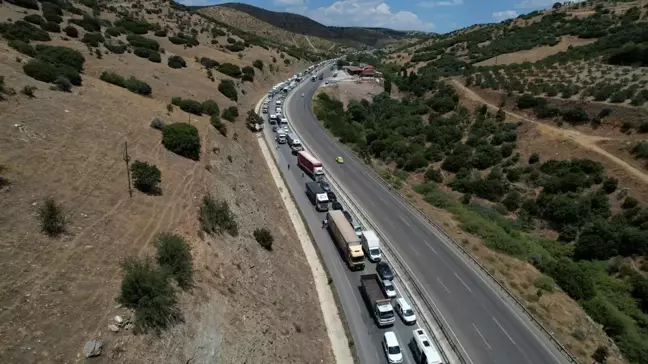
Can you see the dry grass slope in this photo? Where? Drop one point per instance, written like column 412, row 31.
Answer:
column 248, row 305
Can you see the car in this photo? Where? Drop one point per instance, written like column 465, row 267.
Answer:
column 278, row 102
column 392, row 349
column 357, row 228
column 325, row 186
column 336, row 205
column 331, row 196
column 389, row 288
column 348, row 216
column 384, row 271
column 405, row 311
column 274, row 128
column 340, row 160
column 265, row 111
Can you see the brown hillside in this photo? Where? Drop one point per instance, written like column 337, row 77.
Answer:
column 248, row 23
column 57, row 293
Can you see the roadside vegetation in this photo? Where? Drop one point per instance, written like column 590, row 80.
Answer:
column 469, row 166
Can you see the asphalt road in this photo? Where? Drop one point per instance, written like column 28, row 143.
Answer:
column 488, row 328
column 366, row 335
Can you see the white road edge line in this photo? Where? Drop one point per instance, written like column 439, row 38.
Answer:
column 331, row 315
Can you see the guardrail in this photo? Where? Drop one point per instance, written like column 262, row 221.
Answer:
column 545, row 331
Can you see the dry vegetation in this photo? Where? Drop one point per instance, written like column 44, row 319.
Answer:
column 253, row 25
column 248, row 304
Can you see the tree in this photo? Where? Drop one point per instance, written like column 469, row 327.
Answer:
column 571, row 278
column 174, row 257
column 176, row 62
column 610, row 185
column 227, row 88
column 387, row 86
column 597, row 241
column 253, row 117
column 146, row 289
column 534, row 158
column 51, row 218
column 601, row 353
column 231, row 113
column 216, row 217
column 513, row 200
column 434, row 175
column 210, row 107
column 182, row 139
column 556, row 6
column 258, row 64
column 146, row 177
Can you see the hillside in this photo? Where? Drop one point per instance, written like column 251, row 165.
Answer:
column 526, row 141
column 298, row 24
column 82, row 85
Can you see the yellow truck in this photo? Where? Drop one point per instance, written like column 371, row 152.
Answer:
column 346, row 239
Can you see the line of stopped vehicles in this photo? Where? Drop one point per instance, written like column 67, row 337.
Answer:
column 355, row 244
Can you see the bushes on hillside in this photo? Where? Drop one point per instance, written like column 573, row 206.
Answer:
column 93, row 39
column 134, row 25
column 132, row 84
column 34, row 19
column 227, row 88
column 88, row 23
column 174, row 257
column 176, row 62
column 56, row 65
column 138, row 41
column 71, row 31
column 248, row 74
column 22, row 47
column 216, row 217
column 146, row 177
column 236, row 47
column 27, row 4
column 51, row 218
column 22, row 30
column 229, row 69
column 258, row 64
column 208, row 62
column 149, row 54
column 231, row 113
column 210, row 107
column 115, row 48
column 264, row 238
column 50, row 26
column 217, row 123
column 182, row 139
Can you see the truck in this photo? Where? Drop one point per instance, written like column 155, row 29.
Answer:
column 281, row 137
column 313, row 78
column 309, row 164
column 379, row 305
column 346, row 239
column 321, row 76
column 317, row 196
column 294, row 142
column 371, row 245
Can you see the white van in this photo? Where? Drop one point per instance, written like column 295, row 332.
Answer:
column 371, row 245
column 423, row 350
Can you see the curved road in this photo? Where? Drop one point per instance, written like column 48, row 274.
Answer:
column 488, row 328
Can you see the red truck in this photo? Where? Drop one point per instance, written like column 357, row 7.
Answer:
column 309, row 164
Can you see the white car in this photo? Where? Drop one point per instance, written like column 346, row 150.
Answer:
column 278, row 102
column 389, row 288
column 391, row 347
column 278, row 110
column 405, row 311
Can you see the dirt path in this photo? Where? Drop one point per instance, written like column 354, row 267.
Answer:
column 583, row 140
column 311, row 44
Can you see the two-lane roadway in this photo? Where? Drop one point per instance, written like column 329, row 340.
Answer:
column 489, row 329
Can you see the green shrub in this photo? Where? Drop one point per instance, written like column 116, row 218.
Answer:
column 51, row 218
column 176, row 62
column 51, row 7
column 115, row 48
column 512, row 201
column 22, row 30
column 154, row 57
column 575, row 115
column 534, row 158
column 182, row 139
column 63, row 83
column 216, row 217
column 146, row 177
column 137, row 86
column 29, row 92
column 217, row 32
column 210, row 107
column 51, row 27
column 22, row 47
column 113, row 78
column 258, row 64
column 71, row 31
column 54, row 18
column 208, row 62
column 134, row 26
column 27, row 4
column 231, row 113
column 229, row 69
column 34, row 19
column 610, row 185
column 174, row 257
column 146, row 289
column 227, row 88
column 93, row 39
column 41, row 71
column 434, row 175
column 188, row 105
column 544, row 283
column 161, row 33
column 264, row 238
column 61, row 56
column 89, row 24
column 177, row 40
column 218, row 124
column 113, row 31
column 138, row 41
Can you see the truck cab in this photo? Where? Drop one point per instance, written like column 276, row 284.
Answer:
column 281, row 137
column 295, row 143
column 317, row 196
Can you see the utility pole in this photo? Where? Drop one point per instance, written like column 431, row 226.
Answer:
column 127, row 160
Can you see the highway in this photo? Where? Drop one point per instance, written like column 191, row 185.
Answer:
column 489, row 329
column 366, row 334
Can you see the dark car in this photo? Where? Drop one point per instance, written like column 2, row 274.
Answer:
column 331, row 196
column 274, row 128
column 384, row 271
column 325, row 186
column 336, row 205
column 348, row 216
